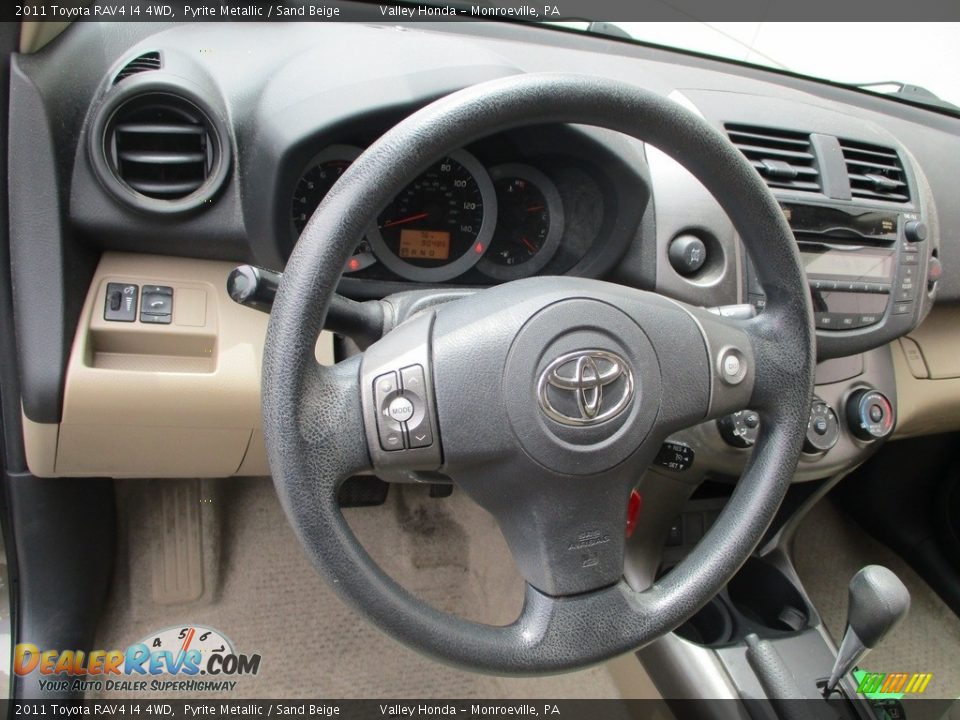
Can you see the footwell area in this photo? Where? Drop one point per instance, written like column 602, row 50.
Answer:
column 828, row 550
column 263, row 594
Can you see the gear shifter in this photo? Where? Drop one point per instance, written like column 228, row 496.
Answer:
column 878, row 601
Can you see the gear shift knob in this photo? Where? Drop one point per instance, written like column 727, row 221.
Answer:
column 878, row 601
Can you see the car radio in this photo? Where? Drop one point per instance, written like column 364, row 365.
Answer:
column 861, row 263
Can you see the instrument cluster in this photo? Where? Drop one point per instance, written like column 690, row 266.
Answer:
column 505, row 221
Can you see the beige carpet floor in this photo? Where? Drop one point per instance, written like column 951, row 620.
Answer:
column 264, row 595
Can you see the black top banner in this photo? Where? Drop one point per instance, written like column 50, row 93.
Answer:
column 484, row 10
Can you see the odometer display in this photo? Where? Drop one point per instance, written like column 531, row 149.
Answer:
column 425, row 244
column 440, row 225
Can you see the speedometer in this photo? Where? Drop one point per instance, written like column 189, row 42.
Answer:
column 441, row 224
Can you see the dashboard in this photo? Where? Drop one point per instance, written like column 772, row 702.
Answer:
column 173, row 154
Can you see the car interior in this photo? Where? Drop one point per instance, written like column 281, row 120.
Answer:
column 479, row 360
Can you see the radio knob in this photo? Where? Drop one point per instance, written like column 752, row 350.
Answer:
column 915, row 231
column 869, row 415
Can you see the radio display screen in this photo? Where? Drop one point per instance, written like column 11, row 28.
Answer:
column 848, row 264
column 838, row 223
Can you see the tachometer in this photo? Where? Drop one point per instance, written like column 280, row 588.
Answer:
column 529, row 223
column 322, row 172
column 440, row 225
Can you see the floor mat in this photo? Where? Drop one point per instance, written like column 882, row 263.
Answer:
column 268, row 599
column 828, row 550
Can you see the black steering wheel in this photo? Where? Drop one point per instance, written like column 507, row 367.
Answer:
column 544, row 399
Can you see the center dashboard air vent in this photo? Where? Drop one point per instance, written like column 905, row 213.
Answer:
column 875, row 172
column 784, row 158
column 159, row 149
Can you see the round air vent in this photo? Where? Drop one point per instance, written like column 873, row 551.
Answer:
column 159, row 149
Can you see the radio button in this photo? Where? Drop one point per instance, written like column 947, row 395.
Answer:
column 848, row 321
column 826, row 321
column 911, row 259
column 871, row 319
column 906, row 272
column 902, row 308
column 904, row 294
column 915, row 231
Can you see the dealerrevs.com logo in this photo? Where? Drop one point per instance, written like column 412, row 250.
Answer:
column 188, row 658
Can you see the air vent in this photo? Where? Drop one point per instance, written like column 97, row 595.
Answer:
column 875, row 172
column 141, row 63
column 161, row 146
column 784, row 158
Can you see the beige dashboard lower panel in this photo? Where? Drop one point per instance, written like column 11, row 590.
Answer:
column 929, row 405
column 165, row 452
column 176, row 400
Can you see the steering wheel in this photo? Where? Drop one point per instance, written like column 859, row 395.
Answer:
column 544, row 399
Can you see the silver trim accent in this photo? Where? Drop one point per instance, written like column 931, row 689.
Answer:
column 587, row 381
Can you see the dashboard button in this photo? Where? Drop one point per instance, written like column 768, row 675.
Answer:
column 869, row 319
column 156, row 304
column 157, row 290
column 826, row 321
column 904, row 294
column 902, row 308
column 121, row 302
column 915, row 231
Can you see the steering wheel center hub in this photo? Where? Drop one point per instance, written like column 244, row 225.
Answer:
column 581, row 386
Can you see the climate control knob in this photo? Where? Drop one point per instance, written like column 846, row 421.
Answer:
column 823, row 429
column 869, row 414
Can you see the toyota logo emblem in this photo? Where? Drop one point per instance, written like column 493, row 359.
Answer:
column 586, row 387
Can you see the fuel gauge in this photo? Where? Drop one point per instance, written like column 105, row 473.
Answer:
column 529, row 223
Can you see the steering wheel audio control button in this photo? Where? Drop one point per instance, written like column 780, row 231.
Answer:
column 400, row 409
column 419, row 433
column 389, row 430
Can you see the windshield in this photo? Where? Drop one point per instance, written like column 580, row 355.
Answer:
column 924, row 54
